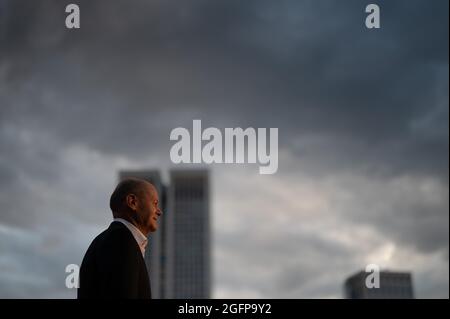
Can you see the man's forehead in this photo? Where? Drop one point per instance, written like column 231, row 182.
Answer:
column 151, row 189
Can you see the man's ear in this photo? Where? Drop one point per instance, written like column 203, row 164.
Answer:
column 132, row 201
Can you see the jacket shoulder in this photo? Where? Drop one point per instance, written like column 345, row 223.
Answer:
column 117, row 235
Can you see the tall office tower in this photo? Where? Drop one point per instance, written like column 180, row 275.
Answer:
column 155, row 251
column 178, row 256
column 189, row 255
column 4, row 18
column 393, row 285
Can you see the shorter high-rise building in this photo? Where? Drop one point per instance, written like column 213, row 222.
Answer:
column 392, row 285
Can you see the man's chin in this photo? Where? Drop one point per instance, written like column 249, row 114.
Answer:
column 153, row 227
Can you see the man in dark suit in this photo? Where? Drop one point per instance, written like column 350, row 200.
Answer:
column 114, row 266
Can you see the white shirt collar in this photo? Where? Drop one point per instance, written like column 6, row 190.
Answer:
column 140, row 238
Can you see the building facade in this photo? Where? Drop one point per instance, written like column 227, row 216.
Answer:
column 392, row 285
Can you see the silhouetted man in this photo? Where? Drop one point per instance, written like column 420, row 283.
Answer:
column 114, row 265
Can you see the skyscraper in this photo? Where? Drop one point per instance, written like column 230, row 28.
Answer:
column 393, row 285
column 189, row 263
column 178, row 254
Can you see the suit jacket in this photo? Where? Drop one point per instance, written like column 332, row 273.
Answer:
column 113, row 267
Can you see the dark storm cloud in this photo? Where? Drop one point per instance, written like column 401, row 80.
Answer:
column 372, row 104
column 301, row 66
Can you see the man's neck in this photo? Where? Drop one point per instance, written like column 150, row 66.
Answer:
column 133, row 222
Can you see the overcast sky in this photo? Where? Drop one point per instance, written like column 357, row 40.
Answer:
column 363, row 134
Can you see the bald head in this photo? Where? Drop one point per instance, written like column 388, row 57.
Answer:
column 136, row 201
column 128, row 186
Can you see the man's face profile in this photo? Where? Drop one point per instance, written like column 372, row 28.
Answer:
column 144, row 204
column 150, row 208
